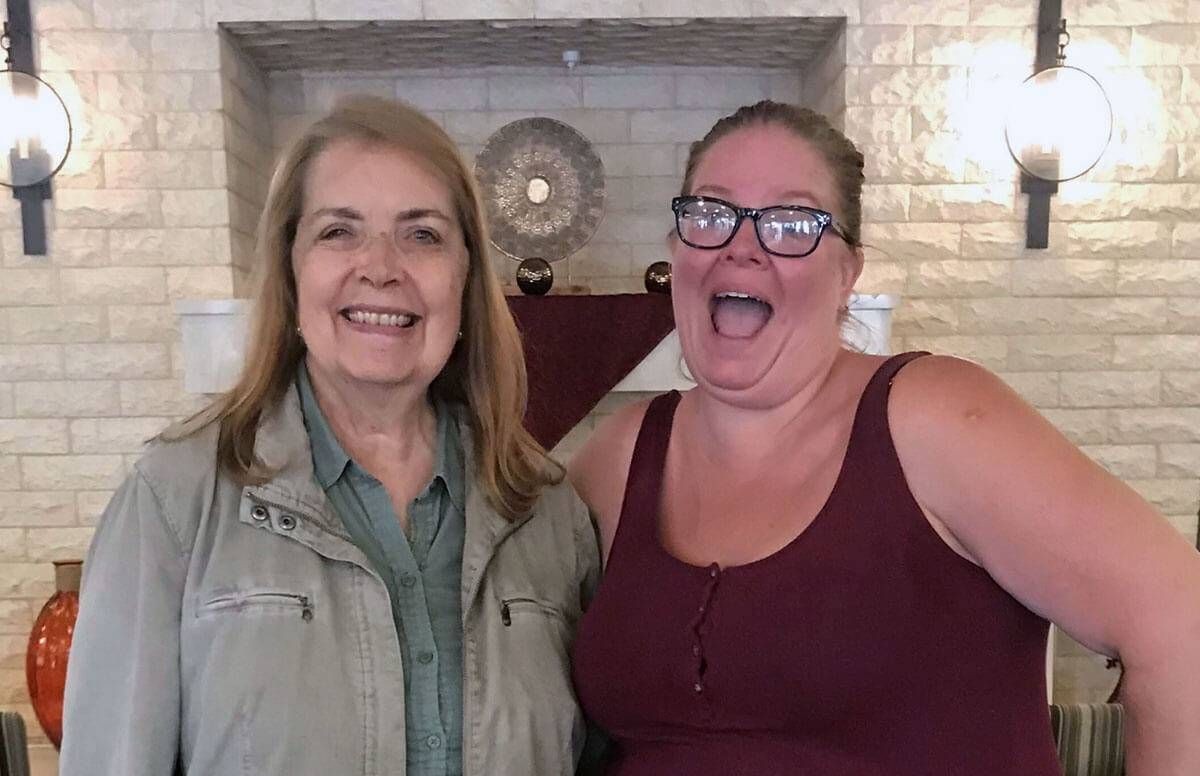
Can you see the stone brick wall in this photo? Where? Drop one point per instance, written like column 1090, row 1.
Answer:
column 1101, row 332
column 249, row 156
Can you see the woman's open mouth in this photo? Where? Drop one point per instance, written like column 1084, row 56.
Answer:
column 738, row 315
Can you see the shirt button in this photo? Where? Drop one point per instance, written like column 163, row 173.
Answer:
column 287, row 522
column 433, row 742
column 701, row 608
column 696, row 650
column 425, row 657
column 712, row 571
column 698, row 687
column 259, row 513
column 408, row 580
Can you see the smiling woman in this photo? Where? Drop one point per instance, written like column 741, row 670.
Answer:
column 320, row 573
column 380, row 266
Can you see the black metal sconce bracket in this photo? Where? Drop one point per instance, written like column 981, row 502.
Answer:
column 1037, row 220
column 19, row 33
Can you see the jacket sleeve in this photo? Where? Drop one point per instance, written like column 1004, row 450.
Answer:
column 587, row 551
column 121, row 711
column 592, row 761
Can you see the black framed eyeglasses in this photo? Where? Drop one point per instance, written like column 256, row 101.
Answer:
column 793, row 231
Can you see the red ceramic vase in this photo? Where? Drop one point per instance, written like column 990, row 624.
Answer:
column 49, row 643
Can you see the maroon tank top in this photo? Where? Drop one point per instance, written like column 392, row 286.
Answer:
column 865, row 647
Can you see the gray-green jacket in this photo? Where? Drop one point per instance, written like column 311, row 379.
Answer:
column 229, row 630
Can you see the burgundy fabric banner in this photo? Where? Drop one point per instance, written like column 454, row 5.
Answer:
column 577, row 347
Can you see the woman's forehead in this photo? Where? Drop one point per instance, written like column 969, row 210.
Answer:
column 374, row 175
column 764, row 163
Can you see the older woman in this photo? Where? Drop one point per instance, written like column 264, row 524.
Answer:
column 357, row 560
column 820, row 561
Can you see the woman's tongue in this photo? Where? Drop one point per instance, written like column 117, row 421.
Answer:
column 739, row 318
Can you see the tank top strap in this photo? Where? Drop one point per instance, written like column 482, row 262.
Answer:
column 871, row 437
column 638, row 523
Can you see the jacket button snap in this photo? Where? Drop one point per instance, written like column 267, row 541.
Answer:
column 433, row 742
column 287, row 522
column 259, row 513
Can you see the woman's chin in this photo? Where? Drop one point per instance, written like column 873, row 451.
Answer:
column 373, row 373
column 721, row 372
column 731, row 363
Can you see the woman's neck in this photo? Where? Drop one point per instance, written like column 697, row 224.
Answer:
column 744, row 438
column 376, row 422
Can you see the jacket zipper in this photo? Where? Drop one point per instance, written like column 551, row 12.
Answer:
column 506, row 613
column 306, row 607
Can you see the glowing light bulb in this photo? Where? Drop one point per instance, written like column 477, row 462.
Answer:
column 1059, row 124
column 35, row 129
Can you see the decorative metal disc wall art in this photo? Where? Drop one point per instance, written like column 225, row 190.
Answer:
column 543, row 189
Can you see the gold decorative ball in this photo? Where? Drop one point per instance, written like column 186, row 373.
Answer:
column 658, row 277
column 534, row 276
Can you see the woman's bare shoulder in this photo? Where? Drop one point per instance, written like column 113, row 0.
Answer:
column 599, row 470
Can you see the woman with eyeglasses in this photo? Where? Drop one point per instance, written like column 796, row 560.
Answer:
column 825, row 562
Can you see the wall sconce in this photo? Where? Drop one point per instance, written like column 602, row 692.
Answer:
column 1058, row 125
column 35, row 133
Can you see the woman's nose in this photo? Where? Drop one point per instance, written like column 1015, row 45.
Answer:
column 380, row 261
column 745, row 247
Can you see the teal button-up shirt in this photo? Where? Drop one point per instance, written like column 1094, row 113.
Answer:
column 422, row 572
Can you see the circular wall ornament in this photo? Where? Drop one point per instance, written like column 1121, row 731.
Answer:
column 543, row 188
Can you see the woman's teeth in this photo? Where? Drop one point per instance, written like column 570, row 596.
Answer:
column 381, row 319
column 737, row 295
column 739, row 315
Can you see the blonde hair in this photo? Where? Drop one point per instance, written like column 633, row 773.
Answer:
column 486, row 370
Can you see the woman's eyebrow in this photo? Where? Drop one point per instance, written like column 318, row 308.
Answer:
column 338, row 212
column 351, row 214
column 421, row 212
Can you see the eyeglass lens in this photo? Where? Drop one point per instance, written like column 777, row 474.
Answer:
column 783, row 230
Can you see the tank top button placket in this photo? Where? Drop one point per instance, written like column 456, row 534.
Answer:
column 699, row 628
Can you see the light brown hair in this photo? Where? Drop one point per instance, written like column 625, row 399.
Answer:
column 486, row 370
column 845, row 161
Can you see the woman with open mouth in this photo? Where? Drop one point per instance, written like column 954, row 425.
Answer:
column 824, row 562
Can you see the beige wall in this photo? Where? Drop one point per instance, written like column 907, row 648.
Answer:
column 1101, row 331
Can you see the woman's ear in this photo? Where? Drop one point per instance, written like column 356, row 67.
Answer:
column 852, row 268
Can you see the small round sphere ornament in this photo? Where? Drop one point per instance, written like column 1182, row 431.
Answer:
column 534, row 276
column 658, row 277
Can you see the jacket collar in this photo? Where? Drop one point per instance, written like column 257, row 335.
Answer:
column 282, row 444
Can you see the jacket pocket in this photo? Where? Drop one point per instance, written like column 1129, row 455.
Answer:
column 521, row 606
column 258, row 600
column 534, row 711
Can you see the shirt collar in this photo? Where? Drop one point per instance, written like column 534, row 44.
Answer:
column 330, row 459
column 448, row 463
